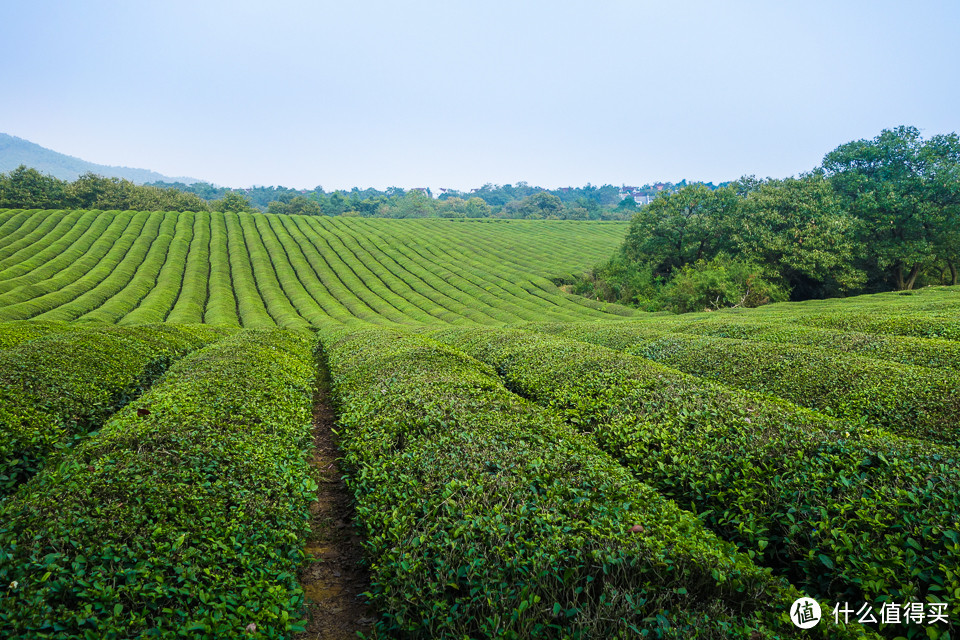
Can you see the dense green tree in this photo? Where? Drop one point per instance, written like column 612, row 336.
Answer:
column 627, row 205
column 798, row 227
column 297, row 205
column 540, row 205
column 477, row 208
column 232, row 202
column 905, row 192
column 26, row 188
column 720, row 283
column 413, row 204
column 681, row 228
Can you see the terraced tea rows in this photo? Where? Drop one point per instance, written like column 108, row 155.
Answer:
column 260, row 270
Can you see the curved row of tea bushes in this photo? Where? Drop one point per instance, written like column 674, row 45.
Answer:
column 11, row 220
column 935, row 353
column 140, row 279
column 33, row 228
column 327, row 276
column 33, row 299
column 926, row 301
column 913, row 401
column 500, row 255
column 250, row 302
column 484, row 287
column 265, row 277
column 155, row 306
column 486, row 516
column 307, row 272
column 435, row 273
column 57, row 256
column 184, row 517
column 222, row 304
column 53, row 229
column 191, row 302
column 56, row 389
column 108, row 277
column 359, row 278
column 45, row 251
column 293, row 271
column 846, row 516
column 918, row 325
column 411, row 287
column 15, row 333
column 307, row 306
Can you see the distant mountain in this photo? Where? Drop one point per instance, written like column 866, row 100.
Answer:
column 16, row 151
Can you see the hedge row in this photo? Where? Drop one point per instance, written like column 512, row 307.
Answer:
column 83, row 274
column 70, row 228
column 918, row 325
column 13, row 334
column 57, row 257
column 913, row 401
column 935, row 353
column 485, row 516
column 156, row 305
column 56, row 389
column 222, row 303
column 183, row 517
column 856, row 517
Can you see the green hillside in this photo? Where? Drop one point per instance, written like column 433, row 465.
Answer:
column 256, row 270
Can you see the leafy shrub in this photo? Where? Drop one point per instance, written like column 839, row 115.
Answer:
column 485, row 516
column 848, row 516
column 934, row 353
column 913, row 401
column 56, row 389
column 183, row 517
column 16, row 333
column 722, row 282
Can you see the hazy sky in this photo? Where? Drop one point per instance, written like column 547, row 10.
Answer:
column 455, row 94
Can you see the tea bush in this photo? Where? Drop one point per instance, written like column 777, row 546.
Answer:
column 56, row 389
column 183, row 517
column 846, row 515
column 486, row 516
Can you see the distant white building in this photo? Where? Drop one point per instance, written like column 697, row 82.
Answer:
column 636, row 193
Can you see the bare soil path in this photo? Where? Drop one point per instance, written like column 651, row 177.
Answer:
column 334, row 580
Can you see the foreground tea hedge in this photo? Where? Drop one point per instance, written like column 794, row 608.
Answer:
column 485, row 516
column 848, row 517
column 183, row 517
column 913, row 401
column 13, row 334
column 57, row 388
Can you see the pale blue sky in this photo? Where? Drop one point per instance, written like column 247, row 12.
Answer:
column 456, row 94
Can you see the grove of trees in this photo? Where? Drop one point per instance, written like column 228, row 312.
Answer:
column 881, row 214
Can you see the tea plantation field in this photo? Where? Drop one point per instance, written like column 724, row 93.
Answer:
column 522, row 463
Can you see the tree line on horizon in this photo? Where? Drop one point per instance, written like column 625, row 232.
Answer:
column 27, row 188
column 876, row 215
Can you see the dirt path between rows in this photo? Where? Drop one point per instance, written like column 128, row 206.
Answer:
column 334, row 581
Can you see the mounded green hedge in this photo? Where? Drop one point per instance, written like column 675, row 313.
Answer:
column 56, row 389
column 847, row 516
column 935, row 353
column 913, row 401
column 13, row 334
column 183, row 517
column 486, row 516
